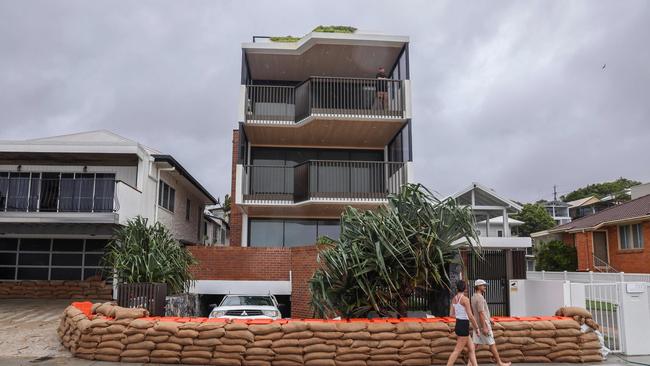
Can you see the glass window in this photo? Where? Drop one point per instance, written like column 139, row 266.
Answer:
column 66, row 274
column 8, row 259
column 68, row 245
column 7, row 273
column 93, row 272
column 104, row 192
column 49, row 200
column 18, row 191
column 266, row 233
column 67, row 259
column 96, row 245
column 32, row 273
column 8, row 244
column 93, row 260
column 188, row 204
column 166, row 196
column 630, row 236
column 34, row 245
column 299, row 232
column 329, row 228
column 34, row 259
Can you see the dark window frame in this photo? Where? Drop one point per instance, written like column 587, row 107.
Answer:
column 166, row 196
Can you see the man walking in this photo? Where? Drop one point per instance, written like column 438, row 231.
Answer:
column 484, row 335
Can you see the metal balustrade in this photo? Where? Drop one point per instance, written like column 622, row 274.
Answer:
column 325, row 96
column 34, row 194
column 324, row 180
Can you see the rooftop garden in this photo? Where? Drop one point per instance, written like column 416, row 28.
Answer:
column 320, row 28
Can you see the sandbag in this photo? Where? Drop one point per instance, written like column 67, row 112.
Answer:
column 318, row 356
column 180, row 341
column 536, row 359
column 409, row 336
column 566, row 332
column 542, row 325
column 196, row 360
column 434, row 334
column 328, row 335
column 153, row 359
column 565, row 324
column 128, row 313
column 435, row 327
column 592, row 324
column 408, row 327
column 320, row 362
column 141, row 359
column 572, row 311
column 135, row 353
column 261, row 329
column 212, row 333
column 187, row 333
column 591, row 358
column 295, row 326
column 351, row 327
column 298, row 335
column 356, row 335
column 516, row 325
column 169, row 346
column 319, row 348
column 109, row 358
column 169, row 327
column 380, row 327
column 569, row 359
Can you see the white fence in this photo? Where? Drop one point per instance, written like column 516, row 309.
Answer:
column 588, row 277
column 604, row 304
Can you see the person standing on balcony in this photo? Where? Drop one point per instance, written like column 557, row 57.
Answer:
column 382, row 88
column 483, row 334
column 462, row 311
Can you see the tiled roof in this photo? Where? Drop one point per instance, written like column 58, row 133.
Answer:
column 628, row 210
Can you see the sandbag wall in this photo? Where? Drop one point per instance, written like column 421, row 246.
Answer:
column 77, row 290
column 110, row 333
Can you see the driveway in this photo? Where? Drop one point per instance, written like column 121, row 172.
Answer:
column 28, row 328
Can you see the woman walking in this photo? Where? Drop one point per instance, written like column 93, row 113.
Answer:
column 462, row 311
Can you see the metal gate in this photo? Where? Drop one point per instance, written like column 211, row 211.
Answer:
column 603, row 303
column 491, row 266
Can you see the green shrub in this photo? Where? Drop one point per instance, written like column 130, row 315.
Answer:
column 555, row 256
column 285, row 39
column 335, row 29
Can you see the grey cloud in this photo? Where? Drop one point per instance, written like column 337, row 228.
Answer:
column 510, row 94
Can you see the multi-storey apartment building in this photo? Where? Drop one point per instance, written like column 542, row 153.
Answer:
column 324, row 123
column 62, row 197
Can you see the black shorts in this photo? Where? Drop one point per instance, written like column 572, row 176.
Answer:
column 462, row 327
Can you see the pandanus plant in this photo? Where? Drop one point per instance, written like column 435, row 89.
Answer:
column 383, row 256
column 140, row 252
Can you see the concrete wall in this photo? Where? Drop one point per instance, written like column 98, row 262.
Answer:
column 176, row 221
column 543, row 297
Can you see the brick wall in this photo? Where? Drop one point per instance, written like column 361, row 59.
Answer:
column 303, row 266
column 241, row 263
column 74, row 290
column 582, row 242
column 235, row 215
column 631, row 260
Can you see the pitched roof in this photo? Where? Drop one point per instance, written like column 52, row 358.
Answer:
column 631, row 210
column 583, row 201
column 491, row 193
column 499, row 220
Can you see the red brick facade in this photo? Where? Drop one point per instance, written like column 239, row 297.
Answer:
column 628, row 260
column 241, row 263
column 235, row 215
column 303, row 266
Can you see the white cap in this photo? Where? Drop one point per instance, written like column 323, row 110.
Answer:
column 480, row 283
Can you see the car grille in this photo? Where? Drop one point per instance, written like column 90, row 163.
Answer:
column 244, row 312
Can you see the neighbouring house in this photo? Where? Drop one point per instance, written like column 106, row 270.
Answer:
column 215, row 226
column 590, row 205
column 639, row 190
column 318, row 132
column 559, row 211
column 62, row 197
column 495, row 226
column 614, row 239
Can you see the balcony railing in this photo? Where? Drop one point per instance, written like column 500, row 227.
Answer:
column 325, row 96
column 324, row 180
column 19, row 194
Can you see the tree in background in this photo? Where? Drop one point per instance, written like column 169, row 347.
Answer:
column 555, row 256
column 535, row 218
column 601, row 190
column 140, row 252
column 383, row 256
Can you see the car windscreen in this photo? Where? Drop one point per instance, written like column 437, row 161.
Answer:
column 247, row 300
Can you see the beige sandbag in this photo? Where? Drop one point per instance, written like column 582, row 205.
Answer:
column 572, row 311
column 411, row 350
column 85, row 350
column 565, row 324
column 135, row 353
column 236, row 326
column 134, row 338
column 93, row 308
column 549, row 333
column 385, row 363
column 157, row 339
column 164, row 353
column 259, row 351
column 169, row 346
column 349, row 350
column 239, row 334
column 288, row 350
column 322, row 326
column 295, row 326
column 434, row 334
column 116, row 328
column 542, row 325
column 212, row 333
column 417, row 362
column 208, row 342
column 261, row 329
column 196, row 354
column 592, row 324
column 408, row 327
column 230, row 348
column 187, row 333
column 234, row 341
column 264, row 343
column 106, row 309
column 536, row 352
column 351, row 327
column 112, row 337
column 338, row 342
column 516, row 325
column 148, row 345
column 567, row 359
column 442, row 349
column 289, row 357
column 356, row 362
column 130, row 313
column 319, row 348
column 271, row 336
column 328, row 335
column 180, row 341
column 564, row 332
column 521, row 340
column 108, row 351
column 320, row 362
column 572, row 339
column 587, row 337
column 536, row 359
column 383, row 336
column 155, row 333
column 409, row 336
column 318, row 356
column 549, row 341
column 218, row 355
column 517, row 333
column 196, row 360
column 417, row 343
column 565, row 352
column 591, row 345
column 391, row 343
column 442, row 342
column 299, row 335
column 111, row 344
column 165, row 360
column 383, row 351
column 210, row 326
column 198, row 348
column 169, row 327
column 356, row 335
column 277, row 362
column 380, row 327
column 284, row 343
column 87, row 344
column 383, row 357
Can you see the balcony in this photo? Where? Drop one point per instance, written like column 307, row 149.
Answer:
column 80, row 198
column 335, row 184
column 326, row 111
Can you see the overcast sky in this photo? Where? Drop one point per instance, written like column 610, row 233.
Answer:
column 509, row 94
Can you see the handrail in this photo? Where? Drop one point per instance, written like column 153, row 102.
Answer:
column 598, row 262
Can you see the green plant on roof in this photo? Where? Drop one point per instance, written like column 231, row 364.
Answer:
column 320, row 28
column 335, row 29
column 285, row 39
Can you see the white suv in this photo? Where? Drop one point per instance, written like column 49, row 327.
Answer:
column 247, row 307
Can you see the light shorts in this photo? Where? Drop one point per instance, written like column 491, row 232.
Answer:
column 480, row 338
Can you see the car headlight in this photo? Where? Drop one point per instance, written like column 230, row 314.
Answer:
column 218, row 313
column 271, row 313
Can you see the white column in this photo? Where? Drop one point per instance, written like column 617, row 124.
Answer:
column 506, row 225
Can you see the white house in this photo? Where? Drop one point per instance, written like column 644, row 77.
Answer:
column 495, row 227
column 62, row 197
